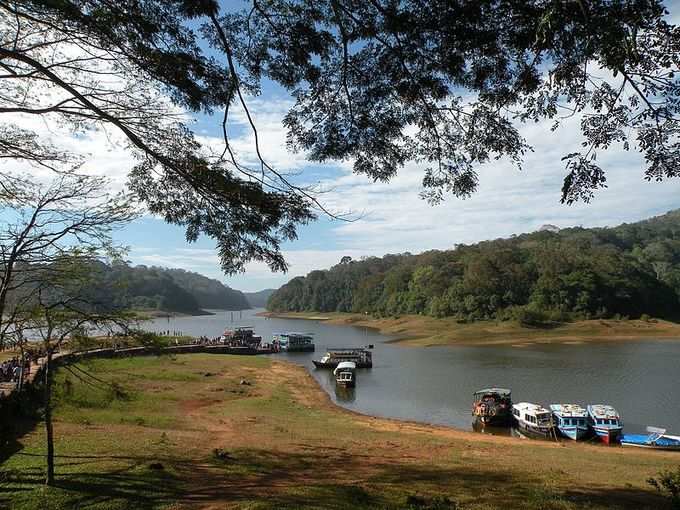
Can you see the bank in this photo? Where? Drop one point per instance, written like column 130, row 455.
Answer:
column 218, row 431
column 423, row 331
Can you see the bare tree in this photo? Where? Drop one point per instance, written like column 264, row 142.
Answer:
column 50, row 246
column 73, row 215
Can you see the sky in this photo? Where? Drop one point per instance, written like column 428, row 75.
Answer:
column 391, row 218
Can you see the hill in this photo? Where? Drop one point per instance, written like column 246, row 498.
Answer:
column 546, row 276
column 167, row 290
column 209, row 293
column 258, row 299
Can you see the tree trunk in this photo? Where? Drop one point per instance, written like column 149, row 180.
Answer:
column 48, row 419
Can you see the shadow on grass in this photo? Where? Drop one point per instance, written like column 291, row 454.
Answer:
column 92, row 482
column 314, row 477
column 20, row 413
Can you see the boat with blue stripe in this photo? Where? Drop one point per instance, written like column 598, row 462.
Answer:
column 655, row 439
column 605, row 422
column 571, row 420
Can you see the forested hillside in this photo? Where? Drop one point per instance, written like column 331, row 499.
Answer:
column 629, row 270
column 170, row 290
column 259, row 299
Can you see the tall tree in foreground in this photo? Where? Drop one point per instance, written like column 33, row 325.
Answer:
column 380, row 82
column 51, row 240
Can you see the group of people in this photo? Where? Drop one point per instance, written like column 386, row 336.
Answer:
column 12, row 370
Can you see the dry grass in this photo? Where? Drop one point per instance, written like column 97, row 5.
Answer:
column 285, row 445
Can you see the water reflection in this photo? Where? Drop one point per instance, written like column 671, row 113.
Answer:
column 494, row 430
column 345, row 395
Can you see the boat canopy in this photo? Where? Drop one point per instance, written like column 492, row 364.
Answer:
column 346, row 365
column 603, row 411
column 569, row 410
column 503, row 392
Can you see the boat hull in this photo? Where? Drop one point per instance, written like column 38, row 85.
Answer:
column 334, row 364
column 496, row 419
column 346, row 384
column 575, row 433
column 642, row 441
column 533, row 430
column 307, row 348
column 608, row 436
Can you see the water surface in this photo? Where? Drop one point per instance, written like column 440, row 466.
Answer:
column 435, row 384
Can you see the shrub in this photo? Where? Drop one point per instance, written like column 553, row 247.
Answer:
column 668, row 483
column 532, row 318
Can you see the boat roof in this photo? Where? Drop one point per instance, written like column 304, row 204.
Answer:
column 500, row 391
column 603, row 411
column 346, row 349
column 296, row 333
column 569, row 410
column 347, row 365
column 528, row 406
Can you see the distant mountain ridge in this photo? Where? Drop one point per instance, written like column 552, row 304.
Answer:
column 549, row 275
column 258, row 299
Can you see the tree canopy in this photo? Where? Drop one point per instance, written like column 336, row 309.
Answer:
column 629, row 270
column 379, row 82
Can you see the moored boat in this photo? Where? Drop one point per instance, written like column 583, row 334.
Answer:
column 533, row 419
column 571, row 420
column 605, row 422
column 361, row 357
column 492, row 405
column 655, row 439
column 294, row 342
column 345, row 374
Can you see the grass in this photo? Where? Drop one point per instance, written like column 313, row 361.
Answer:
column 183, row 432
column 423, row 331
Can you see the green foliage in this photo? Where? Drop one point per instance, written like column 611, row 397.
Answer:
column 538, row 279
column 172, row 290
column 668, row 483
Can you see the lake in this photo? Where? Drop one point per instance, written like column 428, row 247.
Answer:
column 435, row 384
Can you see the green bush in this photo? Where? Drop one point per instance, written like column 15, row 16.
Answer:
column 532, row 318
column 668, row 483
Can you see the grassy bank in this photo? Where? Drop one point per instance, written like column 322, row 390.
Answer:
column 148, row 442
column 424, row 331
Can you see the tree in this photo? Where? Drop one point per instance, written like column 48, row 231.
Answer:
column 50, row 246
column 381, row 82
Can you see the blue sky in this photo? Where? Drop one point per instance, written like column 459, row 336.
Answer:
column 392, row 218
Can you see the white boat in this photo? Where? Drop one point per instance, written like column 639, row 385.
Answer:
column 655, row 439
column 605, row 422
column 533, row 419
column 345, row 374
column 571, row 420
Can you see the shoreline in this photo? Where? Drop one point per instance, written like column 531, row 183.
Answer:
column 229, row 444
column 421, row 331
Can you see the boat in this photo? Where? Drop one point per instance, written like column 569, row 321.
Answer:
column 345, row 374
column 655, row 439
column 571, row 420
column 361, row 357
column 533, row 419
column 242, row 336
column 492, row 405
column 605, row 422
column 295, row 342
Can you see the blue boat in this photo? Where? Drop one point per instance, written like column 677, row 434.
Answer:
column 571, row 420
column 294, row 342
column 605, row 422
column 655, row 439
